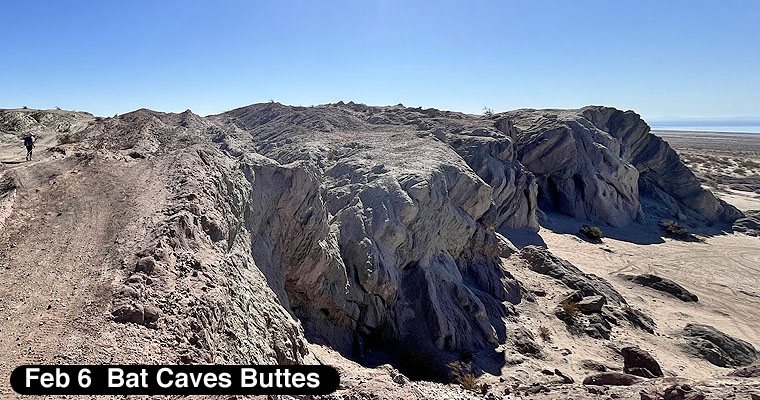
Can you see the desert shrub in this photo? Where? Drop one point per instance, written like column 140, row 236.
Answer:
column 545, row 333
column 570, row 307
column 673, row 228
column 66, row 138
column 25, row 107
column 487, row 112
column 592, row 232
column 461, row 373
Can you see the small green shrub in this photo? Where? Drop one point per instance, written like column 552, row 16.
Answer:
column 592, row 232
column 487, row 112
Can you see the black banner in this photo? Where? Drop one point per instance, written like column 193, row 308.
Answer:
column 174, row 379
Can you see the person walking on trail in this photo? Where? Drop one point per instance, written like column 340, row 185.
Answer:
column 29, row 143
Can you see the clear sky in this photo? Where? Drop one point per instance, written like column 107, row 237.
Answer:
column 660, row 58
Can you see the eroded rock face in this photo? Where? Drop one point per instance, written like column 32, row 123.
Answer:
column 384, row 239
column 407, row 215
column 604, row 165
column 353, row 225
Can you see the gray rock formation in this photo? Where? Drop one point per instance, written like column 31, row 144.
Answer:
column 663, row 285
column 717, row 347
column 753, row 371
column 542, row 261
column 749, row 224
column 354, row 225
column 591, row 304
column 604, row 165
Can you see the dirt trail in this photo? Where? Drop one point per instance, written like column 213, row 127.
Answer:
column 57, row 257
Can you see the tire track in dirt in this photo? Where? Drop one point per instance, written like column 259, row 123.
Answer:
column 58, row 262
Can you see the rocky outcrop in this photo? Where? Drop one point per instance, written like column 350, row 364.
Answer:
column 639, row 362
column 612, row 378
column 542, row 261
column 377, row 241
column 604, row 165
column 591, row 304
column 356, row 226
column 663, row 285
column 753, row 371
column 749, row 224
column 674, row 392
column 717, row 347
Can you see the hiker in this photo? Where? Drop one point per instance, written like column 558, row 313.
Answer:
column 29, row 143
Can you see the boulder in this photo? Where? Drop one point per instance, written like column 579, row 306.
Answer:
column 682, row 392
column 639, row 362
column 663, row 285
column 565, row 378
column 591, row 304
column 717, row 347
column 753, row 371
column 612, row 378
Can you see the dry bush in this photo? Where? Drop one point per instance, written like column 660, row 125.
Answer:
column 570, row 307
column 461, row 373
column 487, row 112
column 66, row 138
column 673, row 228
column 545, row 333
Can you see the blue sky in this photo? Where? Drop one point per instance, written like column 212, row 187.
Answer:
column 660, row 58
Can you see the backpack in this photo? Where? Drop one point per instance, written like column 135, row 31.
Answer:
column 28, row 141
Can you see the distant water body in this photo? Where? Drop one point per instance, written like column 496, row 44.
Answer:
column 732, row 129
column 747, row 126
